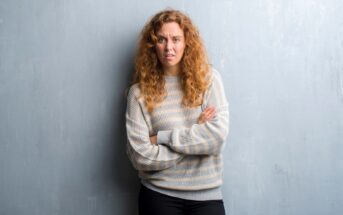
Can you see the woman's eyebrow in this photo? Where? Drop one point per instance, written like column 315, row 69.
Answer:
column 177, row 36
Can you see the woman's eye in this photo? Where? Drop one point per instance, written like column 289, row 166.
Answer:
column 176, row 40
column 160, row 40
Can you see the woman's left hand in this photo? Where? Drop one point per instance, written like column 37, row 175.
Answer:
column 153, row 140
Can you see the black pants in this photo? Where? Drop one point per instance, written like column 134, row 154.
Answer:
column 154, row 203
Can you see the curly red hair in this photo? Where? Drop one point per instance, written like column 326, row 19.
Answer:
column 194, row 63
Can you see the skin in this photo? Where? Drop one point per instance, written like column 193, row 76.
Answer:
column 207, row 115
column 169, row 48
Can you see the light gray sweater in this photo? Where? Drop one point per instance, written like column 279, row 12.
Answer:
column 187, row 161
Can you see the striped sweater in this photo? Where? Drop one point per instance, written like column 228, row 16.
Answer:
column 187, row 161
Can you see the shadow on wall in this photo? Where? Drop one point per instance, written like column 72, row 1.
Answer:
column 117, row 177
column 120, row 171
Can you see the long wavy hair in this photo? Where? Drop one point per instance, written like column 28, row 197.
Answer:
column 194, row 63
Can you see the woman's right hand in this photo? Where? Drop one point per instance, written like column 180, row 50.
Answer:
column 207, row 115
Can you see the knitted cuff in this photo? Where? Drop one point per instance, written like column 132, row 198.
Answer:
column 163, row 137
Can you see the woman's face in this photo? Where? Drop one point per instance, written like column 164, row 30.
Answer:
column 170, row 45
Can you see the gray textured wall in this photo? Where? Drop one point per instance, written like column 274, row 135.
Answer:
column 64, row 67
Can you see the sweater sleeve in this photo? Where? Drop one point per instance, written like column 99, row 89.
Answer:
column 142, row 154
column 205, row 138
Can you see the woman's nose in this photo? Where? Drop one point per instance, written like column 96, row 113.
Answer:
column 169, row 45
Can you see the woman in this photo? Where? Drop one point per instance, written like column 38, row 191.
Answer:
column 176, row 120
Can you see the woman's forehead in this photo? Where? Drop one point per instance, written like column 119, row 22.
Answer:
column 171, row 29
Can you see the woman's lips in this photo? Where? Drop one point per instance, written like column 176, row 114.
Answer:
column 169, row 56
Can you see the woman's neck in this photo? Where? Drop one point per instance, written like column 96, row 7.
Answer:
column 171, row 71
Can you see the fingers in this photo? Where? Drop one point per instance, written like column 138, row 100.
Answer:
column 210, row 111
column 207, row 114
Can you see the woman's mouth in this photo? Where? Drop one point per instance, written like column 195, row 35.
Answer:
column 169, row 56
